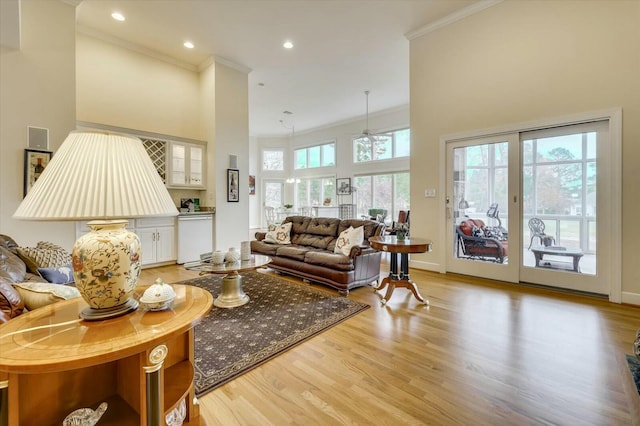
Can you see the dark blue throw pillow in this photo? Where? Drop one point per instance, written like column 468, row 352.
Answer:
column 60, row 275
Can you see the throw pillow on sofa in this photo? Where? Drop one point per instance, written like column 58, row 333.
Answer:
column 36, row 295
column 61, row 275
column 348, row 238
column 45, row 255
column 279, row 234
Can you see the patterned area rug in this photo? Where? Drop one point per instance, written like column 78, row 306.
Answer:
column 634, row 367
column 279, row 315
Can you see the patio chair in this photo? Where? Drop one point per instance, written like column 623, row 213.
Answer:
column 536, row 227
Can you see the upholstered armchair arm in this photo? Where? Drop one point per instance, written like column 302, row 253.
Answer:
column 260, row 235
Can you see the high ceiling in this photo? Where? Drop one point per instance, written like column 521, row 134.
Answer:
column 341, row 48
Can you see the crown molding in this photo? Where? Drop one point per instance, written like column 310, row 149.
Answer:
column 134, row 47
column 74, row 3
column 236, row 66
column 450, row 19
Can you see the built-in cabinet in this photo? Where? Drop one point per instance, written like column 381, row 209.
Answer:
column 186, row 165
column 157, row 238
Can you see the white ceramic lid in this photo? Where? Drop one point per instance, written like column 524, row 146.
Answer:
column 158, row 292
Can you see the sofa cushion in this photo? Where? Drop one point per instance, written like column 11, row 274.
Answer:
column 45, row 255
column 348, row 238
column 268, row 249
column 311, row 240
column 323, row 226
column 36, row 295
column 336, row 261
column 293, row 252
column 279, row 234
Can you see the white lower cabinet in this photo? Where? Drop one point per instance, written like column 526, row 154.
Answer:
column 158, row 240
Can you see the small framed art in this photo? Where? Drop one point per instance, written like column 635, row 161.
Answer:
column 343, row 186
column 233, row 179
column 35, row 162
column 252, row 185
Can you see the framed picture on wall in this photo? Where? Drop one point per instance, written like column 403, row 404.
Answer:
column 252, row 185
column 233, row 181
column 35, row 162
column 343, row 186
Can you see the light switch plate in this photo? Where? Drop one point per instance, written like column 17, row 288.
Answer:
column 430, row 193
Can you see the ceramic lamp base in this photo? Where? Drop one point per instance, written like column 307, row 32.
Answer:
column 106, row 267
column 97, row 314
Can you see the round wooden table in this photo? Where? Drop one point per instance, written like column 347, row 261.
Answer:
column 400, row 278
column 232, row 294
column 52, row 363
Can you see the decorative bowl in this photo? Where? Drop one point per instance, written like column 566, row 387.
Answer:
column 217, row 257
column 158, row 297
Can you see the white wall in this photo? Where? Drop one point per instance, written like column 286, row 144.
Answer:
column 231, row 138
column 37, row 84
column 520, row 61
column 120, row 87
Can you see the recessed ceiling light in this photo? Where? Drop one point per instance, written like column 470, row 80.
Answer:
column 117, row 16
column 287, row 45
column 188, row 45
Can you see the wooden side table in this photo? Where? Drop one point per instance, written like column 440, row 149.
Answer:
column 400, row 277
column 141, row 364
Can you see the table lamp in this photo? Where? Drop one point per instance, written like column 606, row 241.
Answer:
column 105, row 178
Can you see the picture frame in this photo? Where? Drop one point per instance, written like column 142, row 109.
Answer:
column 252, row 185
column 343, row 186
column 233, row 180
column 35, row 161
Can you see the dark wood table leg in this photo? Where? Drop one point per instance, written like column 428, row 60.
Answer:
column 399, row 279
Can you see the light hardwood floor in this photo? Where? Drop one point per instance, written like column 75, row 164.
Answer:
column 483, row 353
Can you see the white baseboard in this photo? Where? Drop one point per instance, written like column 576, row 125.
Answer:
column 428, row 266
column 631, row 298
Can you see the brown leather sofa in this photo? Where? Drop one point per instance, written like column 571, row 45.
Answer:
column 22, row 285
column 311, row 252
column 12, row 270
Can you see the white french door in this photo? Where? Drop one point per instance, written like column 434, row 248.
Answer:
column 548, row 196
column 565, row 174
column 273, row 195
column 482, row 190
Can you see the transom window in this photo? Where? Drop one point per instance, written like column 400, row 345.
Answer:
column 383, row 147
column 273, row 159
column 315, row 156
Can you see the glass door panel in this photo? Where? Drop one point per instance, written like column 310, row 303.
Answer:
column 561, row 207
column 478, row 220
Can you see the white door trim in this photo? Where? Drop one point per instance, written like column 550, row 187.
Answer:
column 614, row 116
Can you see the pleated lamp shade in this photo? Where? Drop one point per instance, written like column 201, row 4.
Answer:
column 105, row 178
column 98, row 176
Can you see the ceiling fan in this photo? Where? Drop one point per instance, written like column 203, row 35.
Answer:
column 367, row 133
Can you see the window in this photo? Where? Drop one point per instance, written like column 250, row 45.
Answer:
column 313, row 191
column 386, row 146
column 315, row 156
column 391, row 193
column 273, row 160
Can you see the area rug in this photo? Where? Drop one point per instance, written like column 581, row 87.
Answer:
column 634, row 366
column 278, row 316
